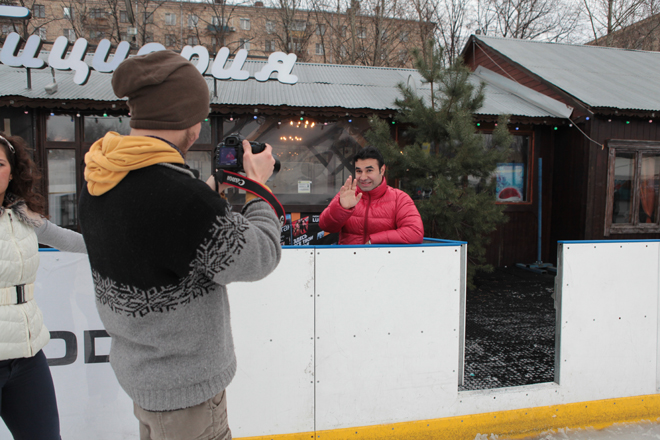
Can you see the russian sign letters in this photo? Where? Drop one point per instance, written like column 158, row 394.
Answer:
column 29, row 58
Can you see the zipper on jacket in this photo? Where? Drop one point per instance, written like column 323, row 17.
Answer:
column 13, row 236
column 27, row 329
column 21, row 306
column 366, row 222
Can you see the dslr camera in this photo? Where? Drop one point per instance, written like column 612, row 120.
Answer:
column 228, row 155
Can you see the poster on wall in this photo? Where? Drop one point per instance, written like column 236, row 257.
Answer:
column 285, row 234
column 305, row 230
column 510, row 182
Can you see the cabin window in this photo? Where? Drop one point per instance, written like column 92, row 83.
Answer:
column 513, row 175
column 632, row 187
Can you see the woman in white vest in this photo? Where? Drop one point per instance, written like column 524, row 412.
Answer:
column 27, row 397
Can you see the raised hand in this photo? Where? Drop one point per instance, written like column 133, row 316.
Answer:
column 347, row 197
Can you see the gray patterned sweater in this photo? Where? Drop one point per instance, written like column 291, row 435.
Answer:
column 162, row 246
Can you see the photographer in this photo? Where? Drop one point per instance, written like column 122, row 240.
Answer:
column 162, row 247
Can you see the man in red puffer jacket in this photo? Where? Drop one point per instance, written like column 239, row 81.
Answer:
column 369, row 211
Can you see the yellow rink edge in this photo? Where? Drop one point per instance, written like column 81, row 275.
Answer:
column 514, row 424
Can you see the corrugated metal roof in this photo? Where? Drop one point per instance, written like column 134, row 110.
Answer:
column 597, row 76
column 318, row 86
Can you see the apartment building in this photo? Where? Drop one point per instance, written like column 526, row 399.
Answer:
column 353, row 36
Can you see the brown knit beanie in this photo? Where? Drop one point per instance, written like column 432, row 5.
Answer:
column 165, row 91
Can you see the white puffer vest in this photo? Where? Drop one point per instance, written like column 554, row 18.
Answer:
column 22, row 330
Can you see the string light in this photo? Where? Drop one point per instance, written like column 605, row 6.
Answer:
column 587, row 118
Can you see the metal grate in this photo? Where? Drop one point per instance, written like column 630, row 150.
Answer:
column 509, row 330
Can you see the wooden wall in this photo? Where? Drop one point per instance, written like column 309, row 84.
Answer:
column 516, row 241
column 601, row 129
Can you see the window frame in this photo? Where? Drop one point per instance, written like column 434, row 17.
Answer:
column 68, row 12
column 39, row 11
column 245, row 24
column 170, row 19
column 637, row 148
column 530, row 168
column 193, row 21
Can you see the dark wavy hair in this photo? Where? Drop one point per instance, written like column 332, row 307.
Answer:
column 25, row 174
column 370, row 152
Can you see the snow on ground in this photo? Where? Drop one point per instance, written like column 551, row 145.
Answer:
column 638, row 431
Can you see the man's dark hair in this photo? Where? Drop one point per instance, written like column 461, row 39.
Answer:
column 370, row 152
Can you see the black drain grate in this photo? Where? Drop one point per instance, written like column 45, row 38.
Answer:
column 509, row 330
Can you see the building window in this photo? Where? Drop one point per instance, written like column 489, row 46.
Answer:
column 67, row 12
column 320, row 29
column 361, row 32
column 271, row 46
column 244, row 44
column 512, row 176
column 43, row 34
column 148, row 37
column 319, row 49
column 70, row 34
column 7, row 29
column 295, row 45
column 96, row 13
column 193, row 40
column 245, row 24
column 632, row 187
column 192, row 21
column 123, row 17
column 403, row 56
column 95, row 35
column 270, row 27
column 39, row 11
column 125, row 37
column 148, row 17
column 299, row 26
column 220, row 21
column 403, row 36
column 343, row 31
column 170, row 19
column 170, row 40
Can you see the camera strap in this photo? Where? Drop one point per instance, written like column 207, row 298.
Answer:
column 241, row 182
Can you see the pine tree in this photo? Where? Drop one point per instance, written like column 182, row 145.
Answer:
column 445, row 160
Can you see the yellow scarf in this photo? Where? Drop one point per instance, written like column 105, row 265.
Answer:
column 111, row 158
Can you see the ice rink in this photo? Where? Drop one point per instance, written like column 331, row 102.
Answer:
column 640, row 431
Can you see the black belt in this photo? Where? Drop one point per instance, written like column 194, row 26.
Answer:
column 249, row 185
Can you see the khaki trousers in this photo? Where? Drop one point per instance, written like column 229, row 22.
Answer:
column 206, row 421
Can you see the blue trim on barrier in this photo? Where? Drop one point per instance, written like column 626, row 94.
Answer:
column 605, row 241
column 428, row 242
column 48, row 250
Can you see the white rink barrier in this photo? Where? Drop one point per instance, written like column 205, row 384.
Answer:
column 367, row 342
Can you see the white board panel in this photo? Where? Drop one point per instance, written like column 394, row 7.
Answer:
column 609, row 319
column 387, row 328
column 273, row 327
column 90, row 401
